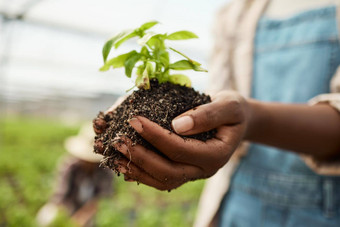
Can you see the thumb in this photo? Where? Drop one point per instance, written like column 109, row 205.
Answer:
column 223, row 110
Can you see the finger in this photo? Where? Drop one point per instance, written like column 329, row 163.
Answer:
column 134, row 173
column 99, row 125
column 178, row 149
column 226, row 108
column 157, row 166
column 231, row 136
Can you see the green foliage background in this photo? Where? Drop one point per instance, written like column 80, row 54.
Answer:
column 30, row 149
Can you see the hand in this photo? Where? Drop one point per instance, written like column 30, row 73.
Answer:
column 186, row 159
column 99, row 124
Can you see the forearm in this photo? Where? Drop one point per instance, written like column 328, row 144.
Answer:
column 305, row 129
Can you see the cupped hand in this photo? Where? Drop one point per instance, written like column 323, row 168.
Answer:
column 185, row 159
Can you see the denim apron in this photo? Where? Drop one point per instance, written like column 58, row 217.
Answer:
column 294, row 60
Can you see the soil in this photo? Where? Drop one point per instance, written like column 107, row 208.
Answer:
column 161, row 104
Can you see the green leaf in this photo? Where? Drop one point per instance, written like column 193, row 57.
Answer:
column 150, row 68
column 180, row 79
column 108, row 46
column 145, row 52
column 142, row 41
column 180, row 53
column 130, row 62
column 139, row 81
column 124, row 38
column 140, row 70
column 181, row 35
column 147, row 25
column 116, row 62
column 105, row 67
column 199, row 69
column 116, row 41
column 143, row 80
column 156, row 41
column 164, row 59
column 181, row 65
column 185, row 65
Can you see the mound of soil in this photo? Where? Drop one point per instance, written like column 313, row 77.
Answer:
column 161, row 104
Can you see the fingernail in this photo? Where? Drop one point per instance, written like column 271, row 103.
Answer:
column 183, row 124
column 136, row 124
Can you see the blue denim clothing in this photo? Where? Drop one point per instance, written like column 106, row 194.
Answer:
column 294, row 60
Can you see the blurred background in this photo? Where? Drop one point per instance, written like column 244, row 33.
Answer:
column 50, row 53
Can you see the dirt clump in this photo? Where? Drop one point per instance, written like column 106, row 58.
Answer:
column 160, row 104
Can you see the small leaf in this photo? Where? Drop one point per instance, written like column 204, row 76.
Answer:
column 139, row 81
column 185, row 65
column 142, row 41
column 143, row 80
column 156, row 41
column 130, row 62
column 125, row 37
column 150, row 68
column 116, row 41
column 140, row 70
column 180, row 79
column 180, row 53
column 181, row 35
column 181, row 65
column 105, row 67
column 146, row 80
column 199, row 69
column 164, row 59
column 116, row 62
column 108, row 46
column 147, row 25
column 145, row 52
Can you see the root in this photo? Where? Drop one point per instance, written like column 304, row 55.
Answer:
column 130, row 158
column 166, row 116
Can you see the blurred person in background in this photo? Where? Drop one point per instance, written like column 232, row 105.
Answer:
column 275, row 82
column 81, row 183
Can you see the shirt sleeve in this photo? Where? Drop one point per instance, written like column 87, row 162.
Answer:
column 331, row 167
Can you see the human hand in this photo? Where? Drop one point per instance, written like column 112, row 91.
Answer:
column 99, row 124
column 185, row 159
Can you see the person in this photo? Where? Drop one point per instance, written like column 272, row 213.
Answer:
column 275, row 83
column 81, row 183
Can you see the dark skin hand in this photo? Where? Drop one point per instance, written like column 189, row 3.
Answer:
column 313, row 130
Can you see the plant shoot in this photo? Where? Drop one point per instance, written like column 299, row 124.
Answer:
column 152, row 60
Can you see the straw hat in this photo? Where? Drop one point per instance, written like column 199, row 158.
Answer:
column 81, row 145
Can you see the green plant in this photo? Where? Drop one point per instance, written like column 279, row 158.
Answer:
column 30, row 149
column 152, row 61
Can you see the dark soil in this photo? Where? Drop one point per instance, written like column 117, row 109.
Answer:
column 161, row 104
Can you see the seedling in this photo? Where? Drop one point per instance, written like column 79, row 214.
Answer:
column 161, row 95
column 152, row 60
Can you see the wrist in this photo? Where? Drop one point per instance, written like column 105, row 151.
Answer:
column 253, row 118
